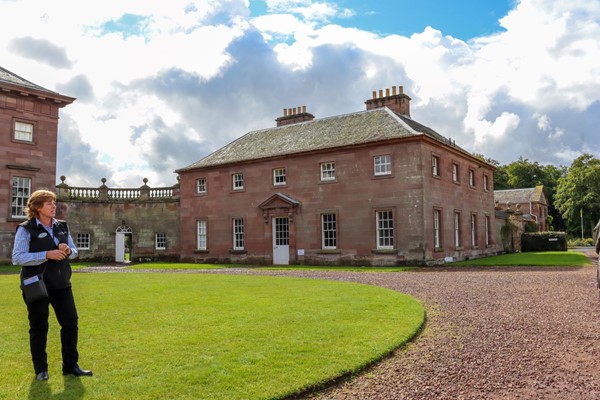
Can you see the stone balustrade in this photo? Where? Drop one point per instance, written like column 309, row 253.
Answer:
column 106, row 194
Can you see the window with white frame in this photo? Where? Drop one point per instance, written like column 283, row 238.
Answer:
column 279, row 177
column 471, row 177
column 487, row 230
column 202, row 234
column 457, row 229
column 328, row 171
column 382, row 165
column 435, row 165
column 437, row 228
column 21, row 190
column 238, row 181
column 83, row 241
column 385, row 229
column 23, row 131
column 485, row 183
column 473, row 230
column 238, row 234
column 329, row 231
column 201, row 185
column 455, row 173
column 160, row 241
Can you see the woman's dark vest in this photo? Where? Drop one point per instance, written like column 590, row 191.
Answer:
column 57, row 274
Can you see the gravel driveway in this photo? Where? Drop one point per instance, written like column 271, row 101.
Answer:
column 502, row 333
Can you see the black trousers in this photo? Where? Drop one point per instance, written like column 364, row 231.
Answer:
column 63, row 303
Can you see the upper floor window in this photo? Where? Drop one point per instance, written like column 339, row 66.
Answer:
column 160, row 241
column 435, row 165
column 201, row 185
column 279, row 177
column 21, row 190
column 455, row 173
column 382, row 165
column 328, row 171
column 238, row 234
column 23, row 131
column 238, row 181
column 328, row 231
column 385, row 230
column 83, row 241
column 202, row 234
column 485, row 183
column 471, row 177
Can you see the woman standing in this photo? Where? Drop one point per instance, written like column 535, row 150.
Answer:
column 43, row 243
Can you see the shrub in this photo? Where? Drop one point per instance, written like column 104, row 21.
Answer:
column 543, row 241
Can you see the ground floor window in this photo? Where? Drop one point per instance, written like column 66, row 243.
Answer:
column 456, row 229
column 238, row 234
column 21, row 190
column 487, row 230
column 202, row 234
column 83, row 241
column 437, row 228
column 385, row 229
column 160, row 241
column 328, row 231
column 473, row 230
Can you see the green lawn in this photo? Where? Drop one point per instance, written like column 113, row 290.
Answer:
column 207, row 336
column 547, row 258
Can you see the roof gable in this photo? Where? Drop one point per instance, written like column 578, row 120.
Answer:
column 525, row 195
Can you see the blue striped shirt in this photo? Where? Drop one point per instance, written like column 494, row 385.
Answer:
column 21, row 254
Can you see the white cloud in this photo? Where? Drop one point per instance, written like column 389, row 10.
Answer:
column 190, row 76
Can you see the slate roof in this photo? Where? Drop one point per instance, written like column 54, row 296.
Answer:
column 516, row 196
column 9, row 77
column 374, row 125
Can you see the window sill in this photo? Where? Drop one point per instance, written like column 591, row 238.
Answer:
column 384, row 251
column 438, row 250
column 232, row 251
column 329, row 251
column 204, row 251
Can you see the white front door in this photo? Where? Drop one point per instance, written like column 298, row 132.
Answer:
column 120, row 247
column 281, row 241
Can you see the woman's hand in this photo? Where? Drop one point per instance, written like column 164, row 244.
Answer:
column 64, row 247
column 56, row 254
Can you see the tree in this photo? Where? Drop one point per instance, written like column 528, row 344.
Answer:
column 578, row 194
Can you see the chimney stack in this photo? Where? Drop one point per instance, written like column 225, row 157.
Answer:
column 294, row 115
column 396, row 101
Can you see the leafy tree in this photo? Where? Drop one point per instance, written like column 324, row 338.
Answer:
column 578, row 193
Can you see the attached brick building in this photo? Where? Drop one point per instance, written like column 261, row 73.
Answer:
column 368, row 188
column 28, row 142
column 531, row 202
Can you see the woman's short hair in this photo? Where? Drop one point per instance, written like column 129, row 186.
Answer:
column 36, row 202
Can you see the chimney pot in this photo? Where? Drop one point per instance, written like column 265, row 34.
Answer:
column 374, row 94
column 401, row 88
column 393, row 90
column 304, row 109
column 387, row 92
column 380, row 93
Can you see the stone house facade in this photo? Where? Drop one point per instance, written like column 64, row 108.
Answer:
column 368, row 188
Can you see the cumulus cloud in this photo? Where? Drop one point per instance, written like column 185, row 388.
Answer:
column 40, row 50
column 160, row 86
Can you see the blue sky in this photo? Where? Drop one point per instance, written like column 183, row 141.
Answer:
column 160, row 85
column 462, row 19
